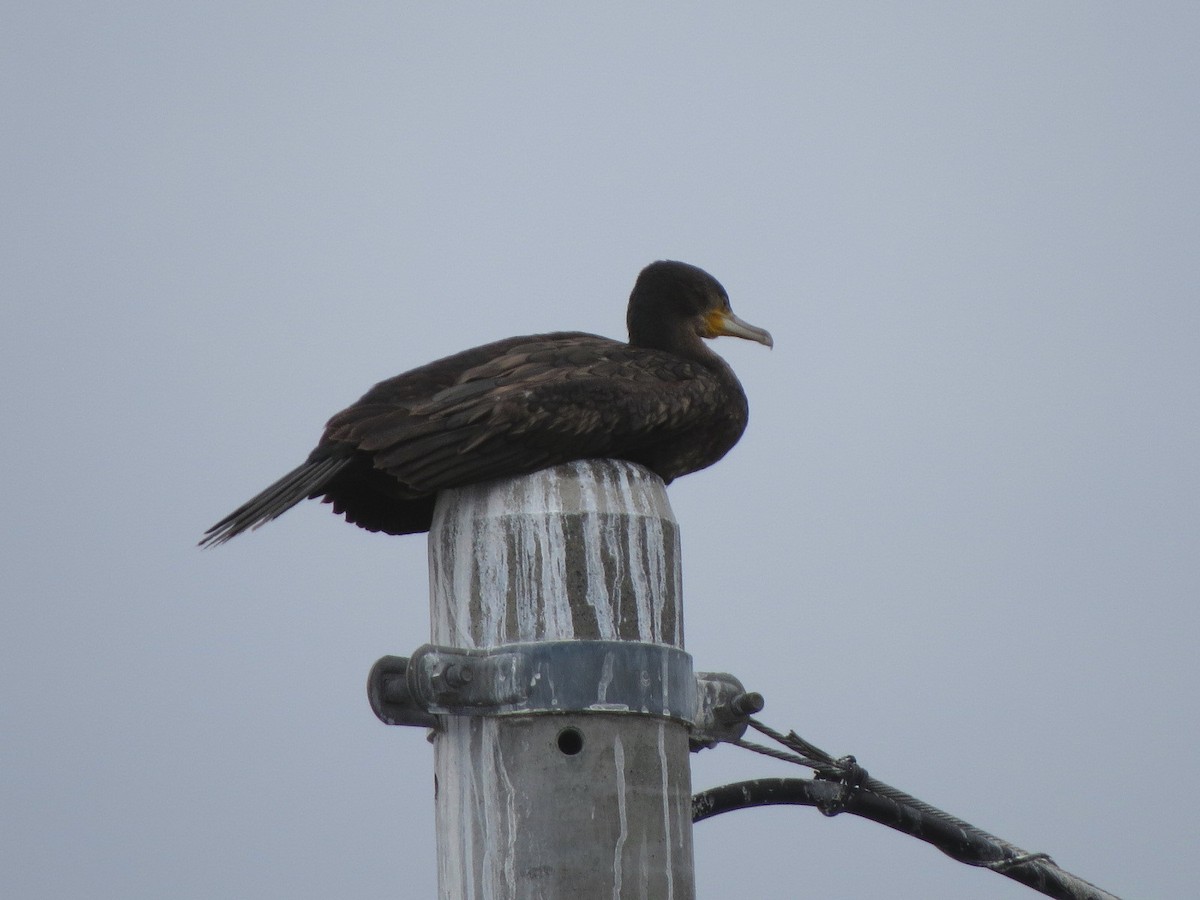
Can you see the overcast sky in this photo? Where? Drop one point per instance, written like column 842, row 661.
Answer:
column 958, row 540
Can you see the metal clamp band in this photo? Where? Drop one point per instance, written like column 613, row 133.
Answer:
column 545, row 677
column 622, row 677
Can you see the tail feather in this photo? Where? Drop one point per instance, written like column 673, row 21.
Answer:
column 302, row 482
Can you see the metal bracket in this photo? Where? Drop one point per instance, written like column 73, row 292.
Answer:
column 544, row 677
column 623, row 677
column 390, row 698
column 723, row 706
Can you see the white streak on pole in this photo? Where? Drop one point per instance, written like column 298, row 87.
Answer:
column 622, row 817
column 584, row 551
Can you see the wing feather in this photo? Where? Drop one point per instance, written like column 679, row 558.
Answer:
column 532, row 406
column 306, row 480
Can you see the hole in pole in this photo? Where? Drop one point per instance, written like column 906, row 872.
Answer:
column 570, row 741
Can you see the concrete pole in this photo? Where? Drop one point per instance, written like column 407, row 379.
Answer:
column 553, row 806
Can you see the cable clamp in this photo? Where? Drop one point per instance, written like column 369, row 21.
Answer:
column 849, row 775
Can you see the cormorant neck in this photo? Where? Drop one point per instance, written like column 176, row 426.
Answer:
column 677, row 337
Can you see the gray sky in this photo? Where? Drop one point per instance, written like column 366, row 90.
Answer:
column 958, row 539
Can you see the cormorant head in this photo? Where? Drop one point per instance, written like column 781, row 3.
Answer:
column 673, row 304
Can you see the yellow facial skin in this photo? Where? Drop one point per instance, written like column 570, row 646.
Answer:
column 720, row 322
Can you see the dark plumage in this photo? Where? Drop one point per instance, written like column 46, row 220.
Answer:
column 663, row 400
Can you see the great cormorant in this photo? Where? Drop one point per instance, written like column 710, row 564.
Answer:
column 664, row 400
